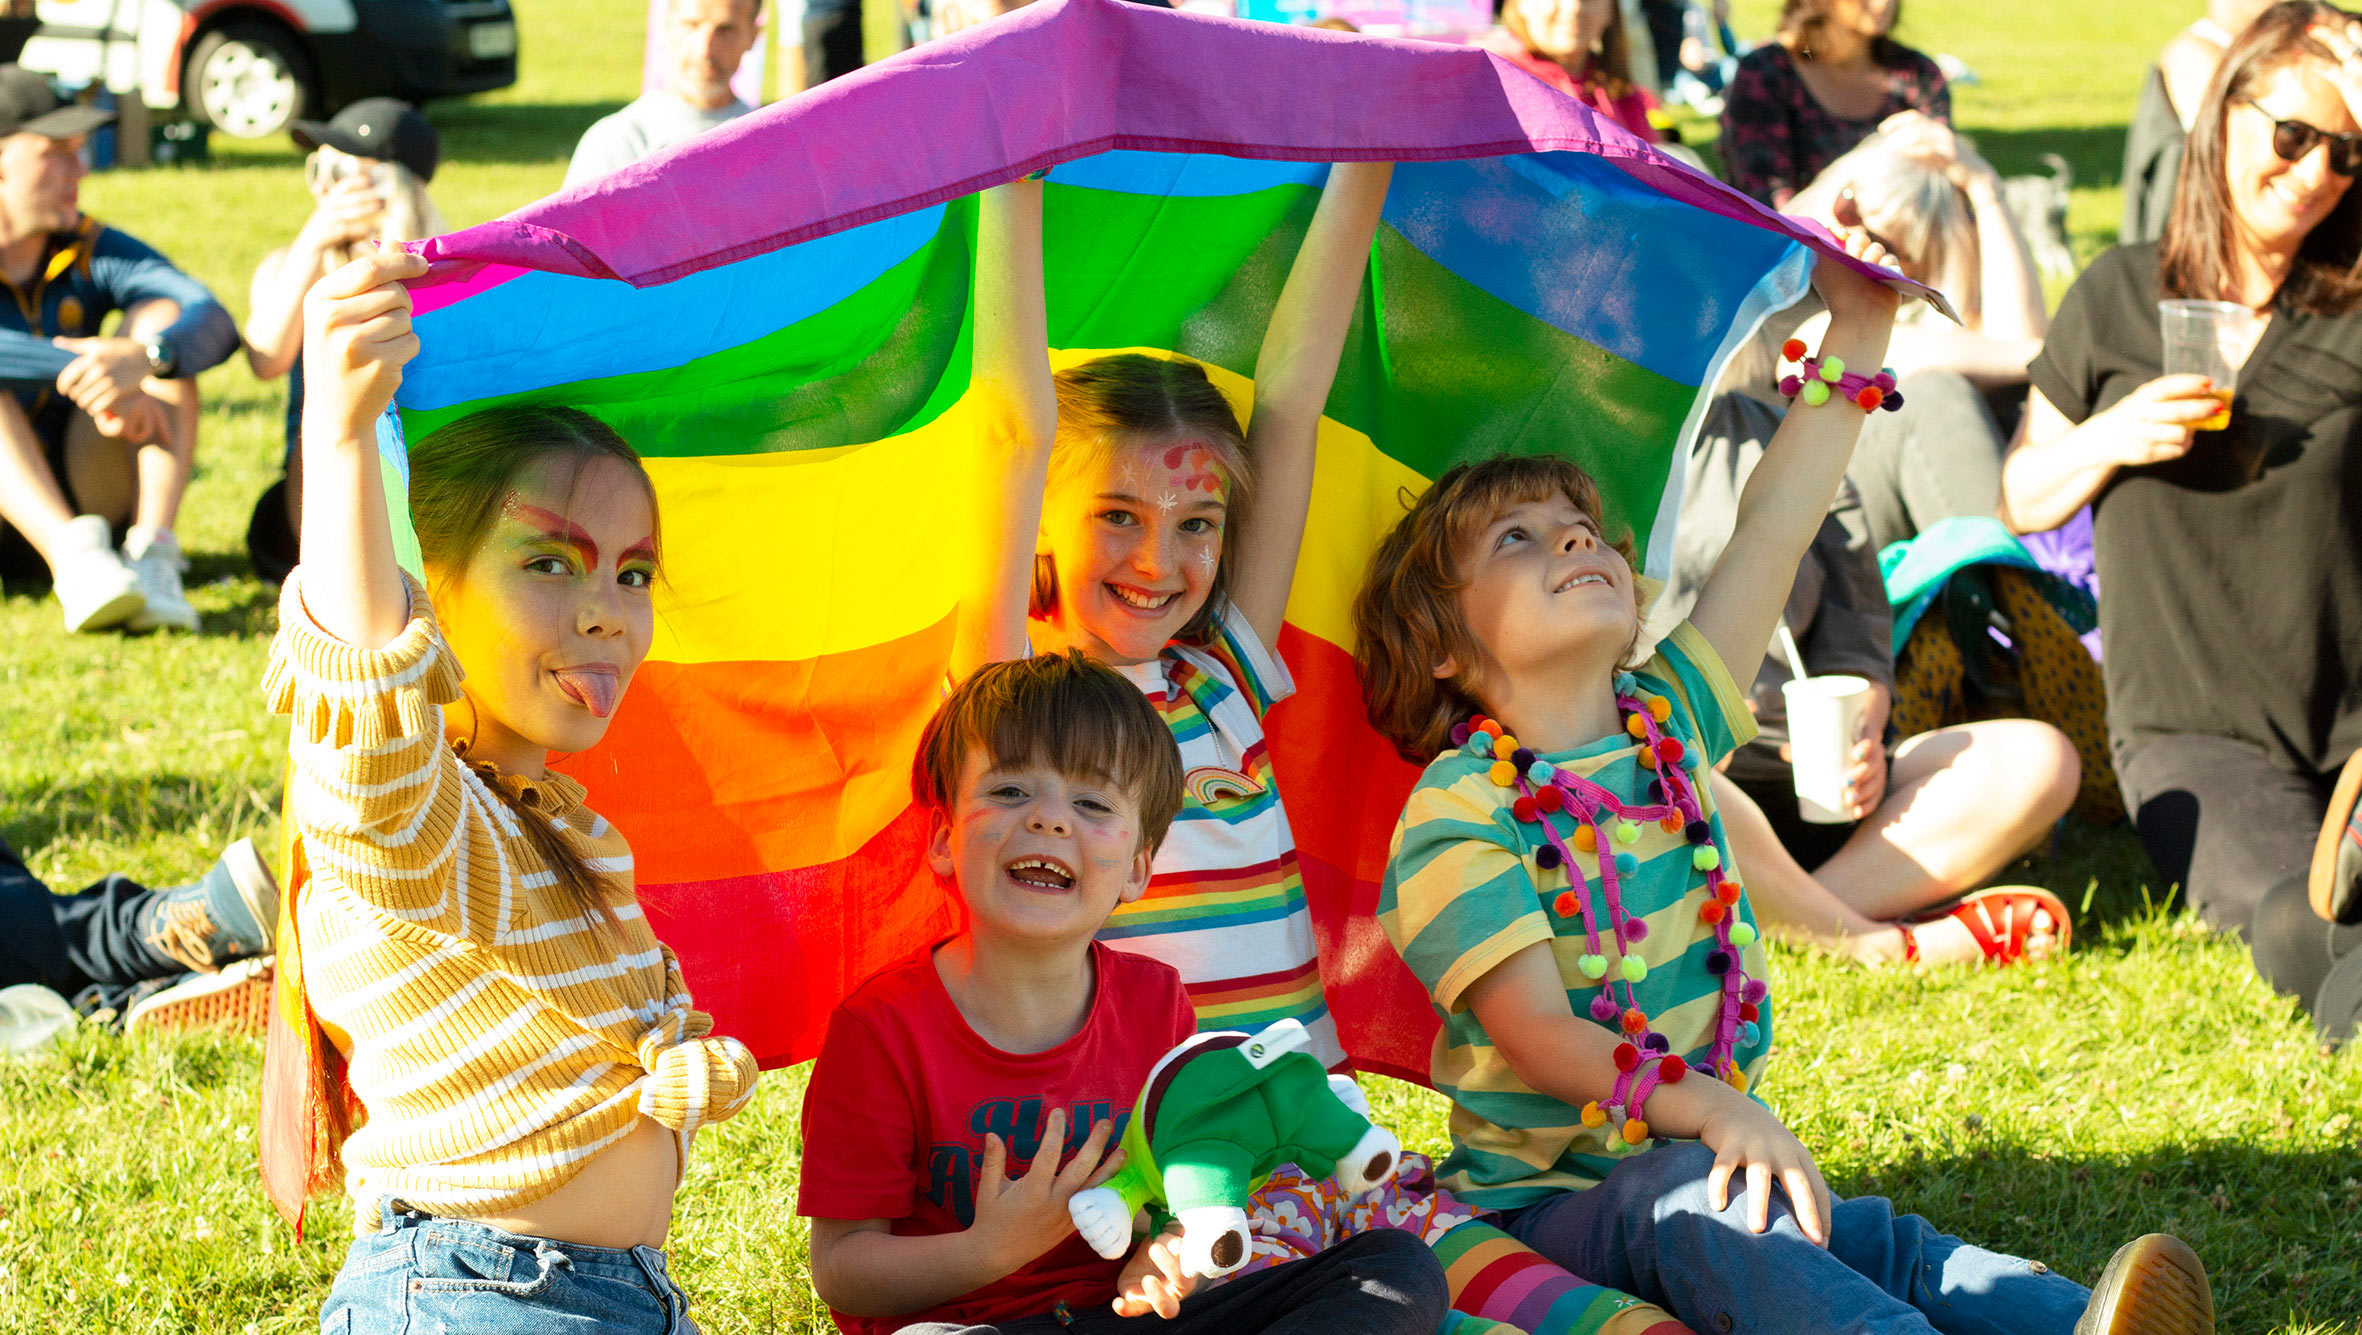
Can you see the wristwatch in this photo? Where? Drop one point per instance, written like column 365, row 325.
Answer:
column 163, row 363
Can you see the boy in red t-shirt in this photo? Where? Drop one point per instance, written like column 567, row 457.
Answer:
column 935, row 1129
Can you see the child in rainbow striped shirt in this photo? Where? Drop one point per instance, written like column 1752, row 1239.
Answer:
column 1559, row 882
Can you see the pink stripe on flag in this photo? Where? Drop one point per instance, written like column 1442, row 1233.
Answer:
column 457, row 283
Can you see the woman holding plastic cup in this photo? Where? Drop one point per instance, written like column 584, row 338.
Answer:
column 2231, row 586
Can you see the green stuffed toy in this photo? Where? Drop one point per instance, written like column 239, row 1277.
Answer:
column 1219, row 1113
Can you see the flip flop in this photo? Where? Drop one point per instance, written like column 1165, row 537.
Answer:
column 2000, row 919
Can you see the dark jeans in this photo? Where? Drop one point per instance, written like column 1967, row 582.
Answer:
column 832, row 44
column 2318, row 963
column 2221, row 820
column 1651, row 1230
column 69, row 943
column 1384, row 1282
column 1938, row 457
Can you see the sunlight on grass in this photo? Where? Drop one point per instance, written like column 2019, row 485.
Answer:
column 2147, row 1082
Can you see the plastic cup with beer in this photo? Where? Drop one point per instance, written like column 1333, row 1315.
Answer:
column 2208, row 338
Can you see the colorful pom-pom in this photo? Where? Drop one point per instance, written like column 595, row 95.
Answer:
column 1755, row 992
column 1565, row 905
column 1547, row 858
column 1833, row 369
column 1636, row 930
column 1869, row 398
column 1711, row 912
column 1504, row 748
column 1718, row 962
column 1741, row 934
column 1460, row 734
column 1593, row 966
column 1627, row 1056
column 1671, row 824
column 1480, row 744
column 1634, row 1022
column 1635, row 1131
column 1705, row 857
column 1790, row 386
column 1670, row 750
column 1485, row 726
column 1522, row 758
column 1748, row 1010
column 1647, row 758
column 1793, row 350
column 1540, row 772
column 1524, row 809
column 1885, row 380
column 1604, row 1008
column 1660, row 707
column 1671, row 1070
column 1727, row 892
column 1635, row 968
column 1627, row 832
column 1815, row 393
column 1626, row 864
column 1750, row 1034
column 1894, row 401
column 1635, row 725
column 1551, row 798
column 1697, row 832
column 1587, row 838
column 1504, row 773
column 1593, row 1116
column 1655, row 1042
column 1734, row 1077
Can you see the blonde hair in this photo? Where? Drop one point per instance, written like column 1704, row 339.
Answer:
column 1913, row 208
column 410, row 213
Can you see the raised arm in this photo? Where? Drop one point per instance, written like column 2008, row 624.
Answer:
column 357, row 338
column 1784, row 501
column 1017, row 410
column 1293, row 374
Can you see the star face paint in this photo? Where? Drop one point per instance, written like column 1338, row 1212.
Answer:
column 1136, row 540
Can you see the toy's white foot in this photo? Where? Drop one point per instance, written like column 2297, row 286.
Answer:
column 1371, row 1163
column 1214, row 1240
column 1100, row 1217
column 1349, row 1093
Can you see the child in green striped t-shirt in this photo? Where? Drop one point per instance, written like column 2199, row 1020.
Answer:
column 1559, row 883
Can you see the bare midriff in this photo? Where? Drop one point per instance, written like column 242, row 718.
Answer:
column 624, row 1198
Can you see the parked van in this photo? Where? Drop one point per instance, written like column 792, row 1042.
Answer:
column 249, row 67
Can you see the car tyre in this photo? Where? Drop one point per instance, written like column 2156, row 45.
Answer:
column 249, row 80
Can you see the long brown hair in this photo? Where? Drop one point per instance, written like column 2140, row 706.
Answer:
column 1611, row 68
column 1111, row 403
column 459, row 475
column 1802, row 20
column 1406, row 619
column 2197, row 255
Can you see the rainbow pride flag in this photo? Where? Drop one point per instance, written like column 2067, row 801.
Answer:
column 777, row 316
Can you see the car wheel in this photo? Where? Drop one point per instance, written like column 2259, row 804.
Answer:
column 247, row 80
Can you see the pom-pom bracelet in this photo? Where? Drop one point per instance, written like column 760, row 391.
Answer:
column 1821, row 378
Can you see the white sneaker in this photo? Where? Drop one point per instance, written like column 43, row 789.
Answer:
column 156, row 561
column 93, row 586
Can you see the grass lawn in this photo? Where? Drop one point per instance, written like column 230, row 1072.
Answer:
column 2147, row 1082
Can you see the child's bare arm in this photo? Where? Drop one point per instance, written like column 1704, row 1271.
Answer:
column 861, row 1268
column 1017, row 412
column 1522, row 1004
column 1293, row 373
column 1786, row 499
column 357, row 339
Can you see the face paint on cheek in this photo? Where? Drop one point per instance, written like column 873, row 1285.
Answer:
column 1207, row 558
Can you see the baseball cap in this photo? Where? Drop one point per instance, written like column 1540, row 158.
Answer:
column 28, row 105
column 385, row 128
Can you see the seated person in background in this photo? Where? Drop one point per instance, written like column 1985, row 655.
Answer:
column 367, row 171
column 1936, row 204
column 1948, row 810
column 1577, row 47
column 2167, row 110
column 95, row 948
column 936, row 1122
column 1827, row 80
column 2233, row 615
column 704, row 41
column 96, row 430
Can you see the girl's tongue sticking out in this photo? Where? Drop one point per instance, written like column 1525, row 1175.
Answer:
column 594, row 687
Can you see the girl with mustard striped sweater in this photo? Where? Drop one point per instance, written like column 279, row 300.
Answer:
column 528, row 1067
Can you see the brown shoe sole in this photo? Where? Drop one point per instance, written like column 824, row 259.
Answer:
column 2333, row 894
column 2154, row 1285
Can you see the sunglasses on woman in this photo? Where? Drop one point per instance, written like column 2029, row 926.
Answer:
column 2293, row 139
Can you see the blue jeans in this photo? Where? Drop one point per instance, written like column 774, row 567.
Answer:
column 421, row 1274
column 70, row 943
column 1650, row 1231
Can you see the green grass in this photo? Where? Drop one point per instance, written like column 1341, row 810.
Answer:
column 2148, row 1082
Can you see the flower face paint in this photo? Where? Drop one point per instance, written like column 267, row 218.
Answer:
column 1136, row 539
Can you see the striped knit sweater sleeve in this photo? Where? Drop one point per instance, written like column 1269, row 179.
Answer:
column 498, row 1033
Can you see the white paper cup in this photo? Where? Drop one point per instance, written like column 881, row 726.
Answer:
column 1824, row 721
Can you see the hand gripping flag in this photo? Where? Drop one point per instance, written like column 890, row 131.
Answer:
column 777, row 316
